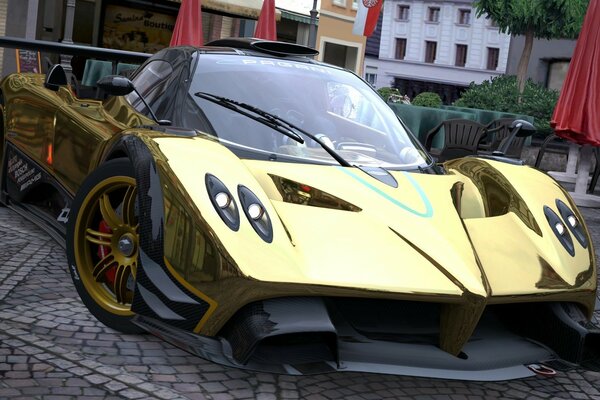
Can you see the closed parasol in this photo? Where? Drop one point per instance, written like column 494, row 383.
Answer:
column 265, row 28
column 188, row 28
column 577, row 113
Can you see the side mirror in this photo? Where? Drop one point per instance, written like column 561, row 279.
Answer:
column 518, row 128
column 115, row 85
column 56, row 77
column 523, row 127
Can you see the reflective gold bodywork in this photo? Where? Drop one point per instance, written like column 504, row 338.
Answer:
column 473, row 237
column 361, row 243
column 63, row 134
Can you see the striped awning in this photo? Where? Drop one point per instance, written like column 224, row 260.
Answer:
column 305, row 19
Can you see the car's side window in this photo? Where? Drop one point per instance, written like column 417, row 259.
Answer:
column 151, row 82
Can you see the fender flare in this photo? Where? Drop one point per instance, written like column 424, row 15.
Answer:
column 158, row 294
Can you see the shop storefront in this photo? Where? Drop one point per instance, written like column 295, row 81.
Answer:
column 146, row 26
column 140, row 25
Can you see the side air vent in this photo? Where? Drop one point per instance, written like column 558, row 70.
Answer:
column 300, row 193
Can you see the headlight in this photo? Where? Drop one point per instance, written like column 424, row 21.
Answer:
column 223, row 201
column 256, row 213
column 573, row 223
column 559, row 229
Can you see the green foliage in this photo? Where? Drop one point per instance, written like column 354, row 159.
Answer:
column 502, row 94
column 549, row 19
column 427, row 99
column 386, row 92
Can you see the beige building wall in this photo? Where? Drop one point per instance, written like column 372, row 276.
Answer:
column 335, row 41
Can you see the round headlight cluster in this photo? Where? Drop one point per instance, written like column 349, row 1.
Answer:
column 572, row 223
column 559, row 229
column 223, row 201
column 256, row 213
column 226, row 207
column 565, row 223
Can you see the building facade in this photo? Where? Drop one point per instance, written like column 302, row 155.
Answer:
column 140, row 25
column 437, row 46
column 549, row 60
column 336, row 43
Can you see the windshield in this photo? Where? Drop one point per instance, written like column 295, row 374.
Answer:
column 336, row 106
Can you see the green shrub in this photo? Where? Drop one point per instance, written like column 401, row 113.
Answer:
column 502, row 94
column 386, row 92
column 427, row 99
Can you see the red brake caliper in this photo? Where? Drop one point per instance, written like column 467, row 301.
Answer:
column 103, row 252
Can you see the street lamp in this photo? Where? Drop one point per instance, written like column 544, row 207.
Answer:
column 65, row 60
column 312, row 31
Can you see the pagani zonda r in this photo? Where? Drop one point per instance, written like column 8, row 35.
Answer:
column 266, row 211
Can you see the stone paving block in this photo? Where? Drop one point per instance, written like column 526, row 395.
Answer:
column 266, row 396
column 97, row 378
column 115, row 386
column 133, row 394
column 9, row 392
column 222, row 396
column 187, row 387
column 213, row 387
column 164, row 378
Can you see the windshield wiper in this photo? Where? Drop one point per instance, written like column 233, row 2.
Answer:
column 271, row 120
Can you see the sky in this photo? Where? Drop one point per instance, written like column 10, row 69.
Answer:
column 299, row 6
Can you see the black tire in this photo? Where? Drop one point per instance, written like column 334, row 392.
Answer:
column 112, row 169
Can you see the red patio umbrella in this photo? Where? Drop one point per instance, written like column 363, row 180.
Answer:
column 265, row 28
column 188, row 27
column 577, row 113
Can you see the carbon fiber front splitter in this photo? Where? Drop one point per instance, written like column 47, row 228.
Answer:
column 492, row 354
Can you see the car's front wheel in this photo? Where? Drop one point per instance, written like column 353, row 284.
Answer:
column 103, row 243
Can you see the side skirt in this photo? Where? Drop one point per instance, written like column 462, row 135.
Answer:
column 34, row 193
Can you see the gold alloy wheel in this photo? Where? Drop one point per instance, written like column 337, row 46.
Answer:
column 106, row 259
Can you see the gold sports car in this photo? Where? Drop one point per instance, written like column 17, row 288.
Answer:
column 266, row 211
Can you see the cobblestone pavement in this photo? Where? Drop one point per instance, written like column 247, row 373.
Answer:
column 52, row 348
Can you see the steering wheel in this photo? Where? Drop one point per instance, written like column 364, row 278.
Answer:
column 341, row 105
column 286, row 109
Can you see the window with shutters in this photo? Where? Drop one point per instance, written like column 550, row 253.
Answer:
column 403, row 12
column 493, row 57
column 461, row 55
column 400, row 48
column 464, row 17
column 433, row 14
column 430, row 51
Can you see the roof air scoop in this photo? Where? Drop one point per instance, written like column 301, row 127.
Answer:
column 279, row 49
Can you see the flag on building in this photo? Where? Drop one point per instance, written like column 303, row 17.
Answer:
column 188, row 27
column 265, row 28
column 366, row 17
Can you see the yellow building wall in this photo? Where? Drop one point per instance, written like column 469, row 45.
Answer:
column 335, row 27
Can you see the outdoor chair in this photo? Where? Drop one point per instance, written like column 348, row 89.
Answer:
column 497, row 132
column 544, row 148
column 461, row 138
column 596, row 173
